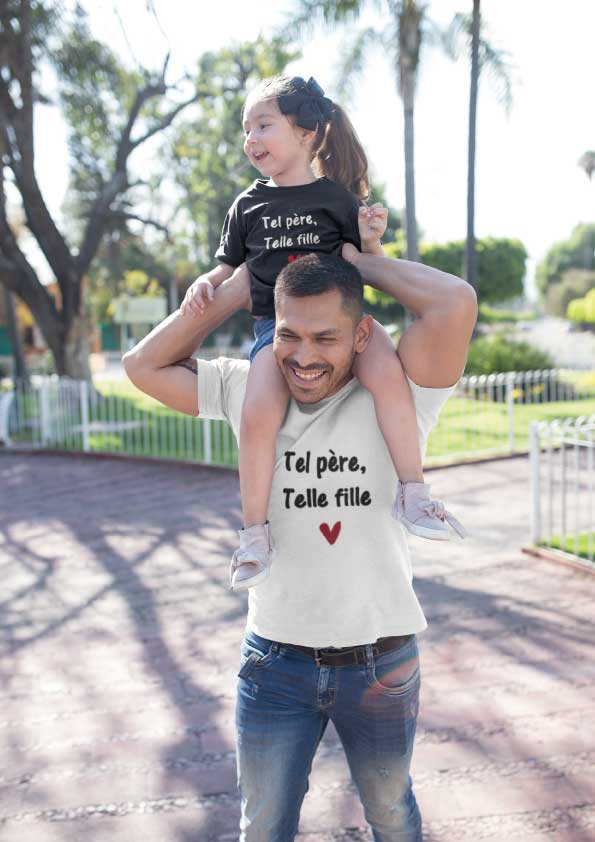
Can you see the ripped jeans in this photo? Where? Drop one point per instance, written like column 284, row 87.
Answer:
column 284, row 703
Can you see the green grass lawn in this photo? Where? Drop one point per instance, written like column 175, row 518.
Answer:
column 586, row 543
column 467, row 427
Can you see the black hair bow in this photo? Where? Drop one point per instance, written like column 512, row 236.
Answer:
column 308, row 103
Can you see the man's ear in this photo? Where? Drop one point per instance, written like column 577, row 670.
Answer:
column 363, row 333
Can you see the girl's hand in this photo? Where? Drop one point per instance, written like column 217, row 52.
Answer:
column 198, row 295
column 350, row 253
column 372, row 222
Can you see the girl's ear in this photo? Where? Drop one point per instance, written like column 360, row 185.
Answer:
column 306, row 136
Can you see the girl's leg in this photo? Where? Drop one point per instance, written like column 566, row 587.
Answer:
column 263, row 412
column 380, row 371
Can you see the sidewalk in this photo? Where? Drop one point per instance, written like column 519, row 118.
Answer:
column 119, row 644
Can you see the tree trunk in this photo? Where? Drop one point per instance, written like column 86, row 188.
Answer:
column 72, row 359
column 410, row 218
column 409, row 18
column 470, row 252
column 19, row 365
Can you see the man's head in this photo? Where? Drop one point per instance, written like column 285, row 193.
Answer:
column 320, row 327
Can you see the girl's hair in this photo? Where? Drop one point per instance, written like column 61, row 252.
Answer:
column 336, row 151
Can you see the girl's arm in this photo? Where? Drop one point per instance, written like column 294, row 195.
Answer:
column 219, row 273
column 202, row 290
column 159, row 364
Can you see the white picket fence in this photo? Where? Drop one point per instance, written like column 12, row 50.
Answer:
column 487, row 416
column 562, row 457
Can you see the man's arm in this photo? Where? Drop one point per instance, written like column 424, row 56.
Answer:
column 161, row 364
column 433, row 349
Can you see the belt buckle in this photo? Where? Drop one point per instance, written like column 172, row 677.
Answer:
column 317, row 657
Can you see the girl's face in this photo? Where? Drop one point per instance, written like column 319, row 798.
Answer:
column 277, row 148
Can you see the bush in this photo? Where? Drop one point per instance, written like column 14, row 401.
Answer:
column 582, row 310
column 491, row 354
column 496, row 354
column 575, row 283
column 490, row 315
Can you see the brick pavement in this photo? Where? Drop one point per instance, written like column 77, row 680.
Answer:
column 119, row 644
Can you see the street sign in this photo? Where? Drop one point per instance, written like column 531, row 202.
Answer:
column 143, row 310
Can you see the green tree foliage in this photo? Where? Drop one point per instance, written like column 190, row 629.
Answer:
column 112, row 111
column 582, row 310
column 587, row 162
column 574, row 284
column 490, row 354
column 577, row 252
column 501, row 264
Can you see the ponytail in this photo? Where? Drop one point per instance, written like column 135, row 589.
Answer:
column 341, row 157
column 336, row 151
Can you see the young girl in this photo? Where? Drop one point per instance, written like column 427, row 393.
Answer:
column 310, row 199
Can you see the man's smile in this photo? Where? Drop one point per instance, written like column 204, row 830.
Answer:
column 307, row 375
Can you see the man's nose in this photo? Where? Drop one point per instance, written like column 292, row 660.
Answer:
column 305, row 355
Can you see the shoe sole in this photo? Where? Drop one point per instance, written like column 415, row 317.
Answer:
column 251, row 582
column 432, row 534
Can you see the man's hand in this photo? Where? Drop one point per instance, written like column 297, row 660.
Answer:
column 200, row 293
column 372, row 222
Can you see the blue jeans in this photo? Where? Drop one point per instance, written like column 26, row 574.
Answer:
column 264, row 331
column 284, row 703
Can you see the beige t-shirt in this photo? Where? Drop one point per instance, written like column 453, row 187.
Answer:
column 341, row 572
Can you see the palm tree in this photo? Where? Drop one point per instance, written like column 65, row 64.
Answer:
column 401, row 41
column 463, row 36
column 587, row 163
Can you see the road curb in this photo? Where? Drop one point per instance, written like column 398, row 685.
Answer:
column 560, row 557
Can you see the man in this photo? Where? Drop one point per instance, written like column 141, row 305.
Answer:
column 331, row 634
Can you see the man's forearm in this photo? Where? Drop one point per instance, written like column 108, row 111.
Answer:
column 179, row 336
column 420, row 289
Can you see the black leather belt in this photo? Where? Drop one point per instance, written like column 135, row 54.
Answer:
column 350, row 655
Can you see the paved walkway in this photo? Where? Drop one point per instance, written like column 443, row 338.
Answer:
column 119, row 644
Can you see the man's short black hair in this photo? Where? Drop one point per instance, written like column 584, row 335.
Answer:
column 315, row 274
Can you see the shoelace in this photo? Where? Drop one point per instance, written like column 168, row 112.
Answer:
column 436, row 507
column 431, row 508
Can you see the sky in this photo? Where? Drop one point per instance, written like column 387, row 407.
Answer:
column 528, row 183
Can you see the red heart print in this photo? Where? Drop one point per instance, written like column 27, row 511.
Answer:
column 293, row 257
column 331, row 535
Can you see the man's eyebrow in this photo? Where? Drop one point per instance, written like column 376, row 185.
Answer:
column 328, row 331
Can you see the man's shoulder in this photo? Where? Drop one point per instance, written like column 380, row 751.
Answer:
column 221, row 387
column 225, row 367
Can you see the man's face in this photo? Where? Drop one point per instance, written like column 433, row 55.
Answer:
column 315, row 344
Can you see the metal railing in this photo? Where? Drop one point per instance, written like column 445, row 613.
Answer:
column 562, row 458
column 486, row 416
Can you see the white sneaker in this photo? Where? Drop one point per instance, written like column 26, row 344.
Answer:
column 422, row 516
column 251, row 562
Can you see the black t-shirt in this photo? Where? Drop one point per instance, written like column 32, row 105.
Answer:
column 268, row 227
